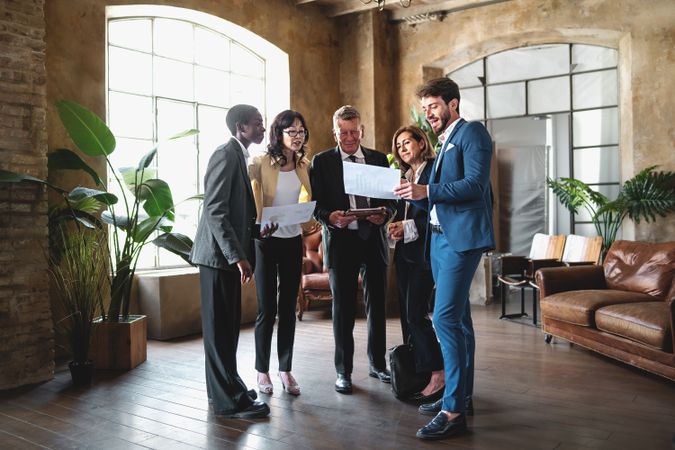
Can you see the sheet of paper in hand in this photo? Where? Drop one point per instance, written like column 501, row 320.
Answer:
column 288, row 214
column 370, row 181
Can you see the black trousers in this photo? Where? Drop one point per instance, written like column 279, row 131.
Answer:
column 357, row 255
column 415, row 287
column 277, row 279
column 221, row 318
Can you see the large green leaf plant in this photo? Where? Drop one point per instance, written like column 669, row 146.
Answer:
column 644, row 197
column 145, row 205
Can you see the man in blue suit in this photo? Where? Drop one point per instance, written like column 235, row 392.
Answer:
column 458, row 199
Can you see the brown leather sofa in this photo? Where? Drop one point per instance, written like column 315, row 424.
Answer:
column 315, row 282
column 624, row 309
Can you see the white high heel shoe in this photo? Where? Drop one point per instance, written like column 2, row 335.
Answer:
column 292, row 388
column 265, row 388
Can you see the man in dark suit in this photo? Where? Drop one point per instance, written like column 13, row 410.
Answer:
column 352, row 245
column 222, row 249
column 459, row 200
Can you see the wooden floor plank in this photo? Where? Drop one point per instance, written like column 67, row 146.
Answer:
column 528, row 395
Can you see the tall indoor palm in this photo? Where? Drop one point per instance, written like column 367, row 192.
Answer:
column 645, row 196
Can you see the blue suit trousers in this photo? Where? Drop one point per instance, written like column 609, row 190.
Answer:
column 453, row 272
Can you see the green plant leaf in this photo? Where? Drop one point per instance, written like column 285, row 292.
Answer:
column 80, row 193
column 157, row 198
column 119, row 221
column 89, row 133
column 145, row 228
column 176, row 243
column 129, row 175
column 69, row 160
column 7, row 176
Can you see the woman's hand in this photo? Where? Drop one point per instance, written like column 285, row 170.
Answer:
column 268, row 230
column 395, row 231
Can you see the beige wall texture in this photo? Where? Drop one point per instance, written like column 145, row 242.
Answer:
column 643, row 32
column 26, row 337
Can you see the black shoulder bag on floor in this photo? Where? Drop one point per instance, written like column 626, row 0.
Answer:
column 405, row 381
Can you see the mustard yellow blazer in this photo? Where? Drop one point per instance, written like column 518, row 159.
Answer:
column 264, row 174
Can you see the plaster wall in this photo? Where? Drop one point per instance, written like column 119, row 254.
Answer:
column 643, row 35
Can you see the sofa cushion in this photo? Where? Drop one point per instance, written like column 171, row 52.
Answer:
column 643, row 267
column 647, row 323
column 579, row 307
column 316, row 281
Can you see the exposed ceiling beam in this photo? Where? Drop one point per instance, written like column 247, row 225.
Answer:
column 304, row 2
column 353, row 6
column 448, row 6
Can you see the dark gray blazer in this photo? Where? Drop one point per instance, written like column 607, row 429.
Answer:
column 224, row 235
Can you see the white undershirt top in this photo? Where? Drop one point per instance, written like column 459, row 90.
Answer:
column 287, row 193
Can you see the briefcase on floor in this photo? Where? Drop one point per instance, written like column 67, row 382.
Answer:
column 405, row 381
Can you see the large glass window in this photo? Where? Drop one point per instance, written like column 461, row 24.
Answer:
column 169, row 74
column 550, row 82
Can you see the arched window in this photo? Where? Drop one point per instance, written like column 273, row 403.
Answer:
column 552, row 111
column 172, row 69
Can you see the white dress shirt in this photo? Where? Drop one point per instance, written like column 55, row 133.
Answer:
column 360, row 159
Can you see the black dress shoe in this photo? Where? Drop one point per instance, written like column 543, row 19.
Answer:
column 251, row 393
column 441, row 427
column 257, row 410
column 383, row 375
column 431, row 409
column 343, row 384
column 428, row 398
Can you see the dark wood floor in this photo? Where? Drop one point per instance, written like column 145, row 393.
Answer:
column 529, row 395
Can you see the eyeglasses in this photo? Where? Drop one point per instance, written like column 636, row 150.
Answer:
column 294, row 133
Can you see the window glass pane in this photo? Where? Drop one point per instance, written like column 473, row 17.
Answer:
column 129, row 71
column 174, row 38
column 549, row 95
column 610, row 191
column 595, row 89
column 173, row 118
column 506, row 100
column 591, row 57
column 129, row 152
column 528, row 62
column 212, row 86
column 597, row 164
column 212, row 132
column 471, row 104
column 187, row 215
column 468, row 76
column 173, row 79
column 596, row 127
column 246, row 62
column 212, row 49
column 130, row 115
column 248, row 90
column 135, row 33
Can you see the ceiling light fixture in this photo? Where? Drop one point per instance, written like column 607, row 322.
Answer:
column 381, row 3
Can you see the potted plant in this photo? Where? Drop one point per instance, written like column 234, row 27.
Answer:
column 80, row 273
column 144, row 207
column 647, row 195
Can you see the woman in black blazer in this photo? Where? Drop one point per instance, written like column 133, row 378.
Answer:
column 415, row 157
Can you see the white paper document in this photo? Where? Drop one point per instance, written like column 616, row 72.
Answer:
column 370, row 181
column 288, row 214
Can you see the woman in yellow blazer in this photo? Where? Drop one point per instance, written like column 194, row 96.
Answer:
column 279, row 177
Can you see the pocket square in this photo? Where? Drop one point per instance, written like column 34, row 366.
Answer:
column 449, row 147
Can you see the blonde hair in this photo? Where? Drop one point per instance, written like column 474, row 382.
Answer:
column 420, row 136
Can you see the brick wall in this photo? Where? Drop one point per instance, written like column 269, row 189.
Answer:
column 26, row 337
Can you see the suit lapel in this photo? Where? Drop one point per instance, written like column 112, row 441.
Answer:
column 439, row 159
column 242, row 168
